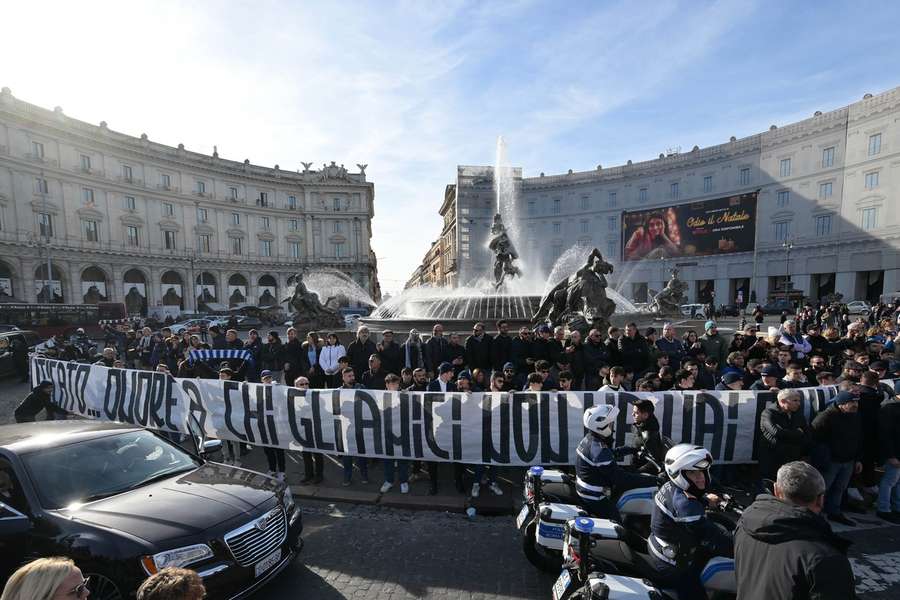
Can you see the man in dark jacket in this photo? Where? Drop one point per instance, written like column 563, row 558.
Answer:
column 373, row 379
column 783, row 548
column 501, row 346
column 595, row 354
column 478, row 349
column 359, row 351
column 391, row 353
column 633, row 350
column 646, row 436
column 839, row 429
column 435, row 350
column 39, row 399
column 889, row 444
column 522, row 352
column 785, row 435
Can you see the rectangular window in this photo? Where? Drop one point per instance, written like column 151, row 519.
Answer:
column 41, row 186
column 265, row 248
column 292, row 202
column 869, row 218
column 130, row 203
column 642, row 195
column 132, row 237
column 745, row 176
column 294, row 249
column 202, row 215
column 336, row 203
column 611, row 246
column 585, row 203
column 263, row 199
column 874, row 144
column 45, row 224
column 823, row 225
column 825, row 190
column 336, row 228
column 87, row 194
column 673, row 190
column 613, row 200
column 201, row 187
column 557, row 227
column 585, row 226
column 338, row 249
column 236, row 246
column 828, row 157
column 782, row 230
column 264, row 223
column 235, row 218
column 532, row 207
column 233, row 192
column 91, row 230
column 204, row 242
column 168, row 209
column 37, row 149
column 557, row 206
column 169, row 240
column 85, row 163
column 611, row 223
column 707, row 184
column 293, row 225
column 126, row 173
column 782, row 198
column 785, row 167
column 165, row 181
column 557, row 249
column 871, row 180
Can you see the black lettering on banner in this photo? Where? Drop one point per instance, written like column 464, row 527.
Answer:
column 666, row 426
column 702, row 402
column 364, row 399
column 157, row 399
column 489, row 453
column 558, row 431
column 732, row 400
column 71, row 385
column 623, row 402
column 126, row 409
column 304, row 438
column 336, row 420
column 267, row 426
column 249, row 411
column 430, row 400
column 142, row 396
column 228, row 387
column 416, row 401
column 532, row 401
column 81, row 381
column 456, row 401
column 314, row 398
column 196, row 409
column 113, row 397
column 401, row 438
column 687, row 414
column 61, row 385
column 170, row 401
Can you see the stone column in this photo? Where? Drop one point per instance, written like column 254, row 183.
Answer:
column 845, row 283
column 722, row 287
column 803, row 283
column 891, row 280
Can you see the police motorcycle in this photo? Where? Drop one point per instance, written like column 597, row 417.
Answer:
column 600, row 552
column 551, row 499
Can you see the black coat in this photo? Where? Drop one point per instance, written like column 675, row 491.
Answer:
column 373, row 380
column 271, row 356
column 634, row 353
column 435, row 352
column 785, row 551
column 520, row 351
column 889, row 429
column 501, row 350
column 358, row 354
column 478, row 352
column 391, row 357
column 33, row 404
column 840, row 432
column 293, row 355
column 784, row 437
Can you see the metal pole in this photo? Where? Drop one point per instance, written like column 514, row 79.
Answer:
column 47, row 231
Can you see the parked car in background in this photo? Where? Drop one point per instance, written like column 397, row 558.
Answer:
column 248, row 322
column 697, row 311
column 123, row 502
column 191, row 326
column 776, row 307
column 859, row 307
column 731, row 310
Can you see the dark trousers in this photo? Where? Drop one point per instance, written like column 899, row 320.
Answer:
column 458, row 470
column 275, row 458
column 313, row 464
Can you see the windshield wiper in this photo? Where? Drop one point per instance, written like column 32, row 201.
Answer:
column 163, row 475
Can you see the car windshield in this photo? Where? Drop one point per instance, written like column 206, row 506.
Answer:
column 101, row 467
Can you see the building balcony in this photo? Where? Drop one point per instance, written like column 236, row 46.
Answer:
column 89, row 171
column 130, row 180
column 167, row 188
column 203, row 194
column 42, row 160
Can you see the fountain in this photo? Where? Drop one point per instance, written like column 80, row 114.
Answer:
column 317, row 303
column 514, row 293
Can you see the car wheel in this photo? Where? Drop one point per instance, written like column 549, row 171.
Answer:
column 103, row 588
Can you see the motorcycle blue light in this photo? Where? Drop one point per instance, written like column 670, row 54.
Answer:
column 536, row 471
column 583, row 525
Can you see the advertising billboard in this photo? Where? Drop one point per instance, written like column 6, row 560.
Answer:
column 719, row 226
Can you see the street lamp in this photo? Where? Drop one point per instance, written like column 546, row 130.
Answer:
column 788, row 245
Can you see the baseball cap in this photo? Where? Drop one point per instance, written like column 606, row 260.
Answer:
column 509, row 365
column 731, row 377
column 853, row 365
column 709, row 325
column 265, row 373
column 465, row 374
column 770, row 371
column 844, row 398
column 225, row 369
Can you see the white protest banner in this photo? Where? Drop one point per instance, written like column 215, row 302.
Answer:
column 519, row 428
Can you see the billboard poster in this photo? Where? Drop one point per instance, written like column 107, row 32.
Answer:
column 719, row 226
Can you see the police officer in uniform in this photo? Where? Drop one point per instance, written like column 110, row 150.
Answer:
column 679, row 527
column 598, row 476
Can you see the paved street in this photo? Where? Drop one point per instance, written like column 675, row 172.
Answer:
column 355, row 551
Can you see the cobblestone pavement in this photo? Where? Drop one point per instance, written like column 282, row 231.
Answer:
column 378, row 552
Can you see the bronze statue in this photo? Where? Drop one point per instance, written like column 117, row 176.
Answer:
column 504, row 253
column 580, row 297
column 670, row 299
column 311, row 313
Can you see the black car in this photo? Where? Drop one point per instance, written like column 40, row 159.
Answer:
column 29, row 338
column 776, row 307
column 124, row 502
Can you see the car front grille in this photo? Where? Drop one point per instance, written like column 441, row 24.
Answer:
column 253, row 541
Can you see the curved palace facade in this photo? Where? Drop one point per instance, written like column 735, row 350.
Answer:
column 827, row 215
column 127, row 219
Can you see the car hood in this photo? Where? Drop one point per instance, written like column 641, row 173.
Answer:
column 183, row 505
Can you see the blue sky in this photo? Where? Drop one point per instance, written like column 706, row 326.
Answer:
column 416, row 88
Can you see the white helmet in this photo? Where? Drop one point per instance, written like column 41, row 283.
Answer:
column 687, row 457
column 601, row 419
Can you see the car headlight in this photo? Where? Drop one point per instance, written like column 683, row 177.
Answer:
column 177, row 557
column 288, row 499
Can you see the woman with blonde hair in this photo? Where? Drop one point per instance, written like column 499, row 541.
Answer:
column 55, row 578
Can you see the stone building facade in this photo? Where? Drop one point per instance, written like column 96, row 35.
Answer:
column 125, row 219
column 828, row 211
